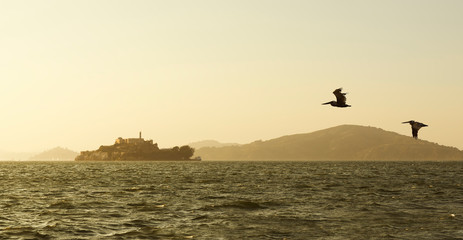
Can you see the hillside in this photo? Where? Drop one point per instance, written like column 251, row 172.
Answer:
column 58, row 153
column 345, row 142
column 210, row 143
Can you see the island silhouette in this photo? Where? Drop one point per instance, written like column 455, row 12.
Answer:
column 136, row 149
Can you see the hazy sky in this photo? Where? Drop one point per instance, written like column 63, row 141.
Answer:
column 79, row 74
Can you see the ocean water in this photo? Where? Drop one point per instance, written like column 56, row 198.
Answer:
column 231, row 200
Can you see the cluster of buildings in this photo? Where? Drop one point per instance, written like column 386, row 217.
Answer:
column 138, row 140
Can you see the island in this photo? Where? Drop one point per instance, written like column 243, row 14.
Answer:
column 137, row 149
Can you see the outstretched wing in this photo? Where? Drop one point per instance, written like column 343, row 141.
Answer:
column 423, row 125
column 340, row 97
column 418, row 125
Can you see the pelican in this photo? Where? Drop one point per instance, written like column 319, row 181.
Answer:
column 340, row 99
column 415, row 127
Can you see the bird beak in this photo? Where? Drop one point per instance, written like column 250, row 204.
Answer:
column 406, row 122
column 326, row 103
column 424, row 125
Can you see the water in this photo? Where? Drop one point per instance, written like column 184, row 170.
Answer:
column 231, row 200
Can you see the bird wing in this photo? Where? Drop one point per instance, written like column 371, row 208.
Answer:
column 418, row 125
column 423, row 125
column 340, row 97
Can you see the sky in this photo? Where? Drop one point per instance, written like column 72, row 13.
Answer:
column 79, row 74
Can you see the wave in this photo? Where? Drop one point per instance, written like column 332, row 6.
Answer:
column 241, row 204
column 62, row 204
column 24, row 232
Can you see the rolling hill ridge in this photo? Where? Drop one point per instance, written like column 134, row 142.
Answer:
column 345, row 142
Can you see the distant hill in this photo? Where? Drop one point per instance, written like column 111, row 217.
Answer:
column 210, row 143
column 58, row 154
column 345, row 142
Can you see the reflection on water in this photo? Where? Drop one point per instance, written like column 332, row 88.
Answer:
column 231, row 200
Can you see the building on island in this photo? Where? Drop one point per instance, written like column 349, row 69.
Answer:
column 138, row 140
column 136, row 149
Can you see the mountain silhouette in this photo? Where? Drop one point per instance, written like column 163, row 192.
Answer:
column 210, row 143
column 345, row 142
column 57, row 153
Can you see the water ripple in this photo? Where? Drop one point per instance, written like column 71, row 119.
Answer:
column 231, row 200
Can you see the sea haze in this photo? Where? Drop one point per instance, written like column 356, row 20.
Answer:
column 231, row 200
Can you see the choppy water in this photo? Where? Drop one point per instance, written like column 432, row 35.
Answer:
column 231, row 200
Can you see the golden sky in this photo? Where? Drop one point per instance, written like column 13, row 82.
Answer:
column 79, row 74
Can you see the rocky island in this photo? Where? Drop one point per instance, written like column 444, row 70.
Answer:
column 137, row 149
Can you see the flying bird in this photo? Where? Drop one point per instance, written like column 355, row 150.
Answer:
column 340, row 99
column 415, row 127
